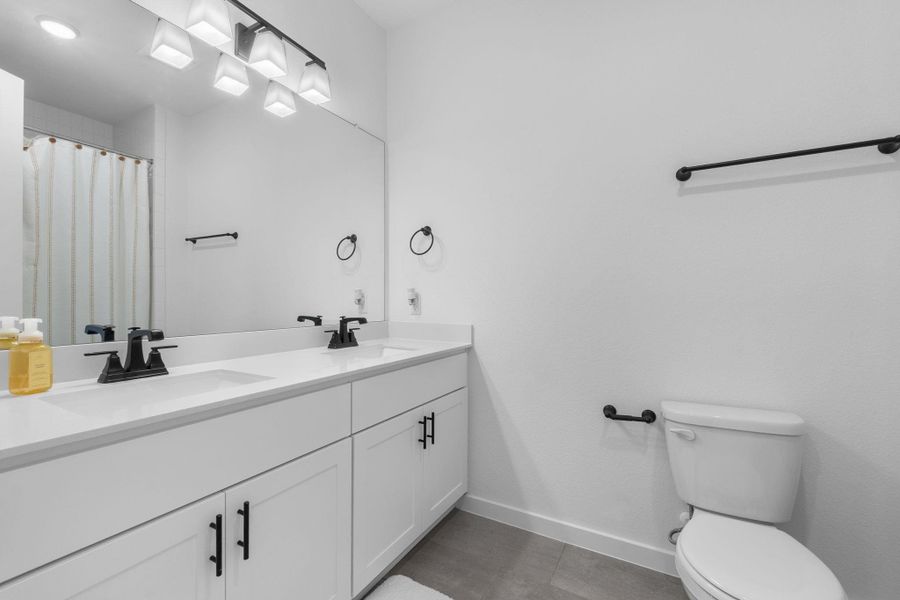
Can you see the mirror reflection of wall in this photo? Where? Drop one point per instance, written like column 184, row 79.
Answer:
column 125, row 157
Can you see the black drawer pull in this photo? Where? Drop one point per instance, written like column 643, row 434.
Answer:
column 217, row 557
column 424, row 439
column 431, row 435
column 245, row 543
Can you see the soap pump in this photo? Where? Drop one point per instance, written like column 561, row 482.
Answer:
column 8, row 332
column 30, row 361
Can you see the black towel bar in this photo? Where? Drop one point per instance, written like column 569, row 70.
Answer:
column 609, row 411
column 887, row 145
column 193, row 240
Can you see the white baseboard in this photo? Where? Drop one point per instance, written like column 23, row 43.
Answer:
column 658, row 559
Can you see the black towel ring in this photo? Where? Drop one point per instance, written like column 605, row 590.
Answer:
column 427, row 232
column 352, row 239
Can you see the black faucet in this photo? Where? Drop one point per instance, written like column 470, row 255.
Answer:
column 317, row 320
column 136, row 367
column 107, row 332
column 344, row 337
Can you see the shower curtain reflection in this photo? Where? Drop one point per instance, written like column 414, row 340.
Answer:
column 87, row 239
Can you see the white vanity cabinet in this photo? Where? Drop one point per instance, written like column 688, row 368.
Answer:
column 166, row 558
column 408, row 472
column 291, row 538
column 299, row 545
column 306, row 496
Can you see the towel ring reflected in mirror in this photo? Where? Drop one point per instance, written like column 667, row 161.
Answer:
column 350, row 238
column 426, row 231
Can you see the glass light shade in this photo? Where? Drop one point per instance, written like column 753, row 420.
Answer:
column 267, row 55
column 209, row 21
column 280, row 100
column 231, row 76
column 171, row 45
column 315, row 86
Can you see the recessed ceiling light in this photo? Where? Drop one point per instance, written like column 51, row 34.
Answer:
column 57, row 28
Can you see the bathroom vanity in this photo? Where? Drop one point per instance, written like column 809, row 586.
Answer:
column 300, row 474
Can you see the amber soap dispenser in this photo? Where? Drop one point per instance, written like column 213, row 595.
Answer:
column 8, row 332
column 30, row 361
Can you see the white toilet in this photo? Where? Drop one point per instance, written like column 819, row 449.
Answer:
column 739, row 468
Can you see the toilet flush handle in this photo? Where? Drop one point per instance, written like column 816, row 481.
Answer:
column 686, row 434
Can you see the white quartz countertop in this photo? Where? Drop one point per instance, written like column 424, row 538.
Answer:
column 80, row 414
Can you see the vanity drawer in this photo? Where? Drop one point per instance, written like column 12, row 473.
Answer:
column 52, row 509
column 382, row 397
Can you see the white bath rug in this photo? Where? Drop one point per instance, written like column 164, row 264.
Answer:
column 399, row 587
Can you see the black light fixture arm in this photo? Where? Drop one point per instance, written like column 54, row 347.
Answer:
column 262, row 23
column 887, row 145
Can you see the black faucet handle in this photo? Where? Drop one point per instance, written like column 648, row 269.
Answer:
column 316, row 321
column 113, row 370
column 154, row 359
column 103, row 353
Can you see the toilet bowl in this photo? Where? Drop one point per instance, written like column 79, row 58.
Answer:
column 725, row 558
column 739, row 469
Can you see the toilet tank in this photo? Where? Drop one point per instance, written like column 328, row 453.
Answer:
column 740, row 462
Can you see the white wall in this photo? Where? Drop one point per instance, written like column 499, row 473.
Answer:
column 135, row 135
column 540, row 138
column 11, row 115
column 68, row 124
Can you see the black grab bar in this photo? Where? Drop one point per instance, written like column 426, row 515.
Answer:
column 609, row 411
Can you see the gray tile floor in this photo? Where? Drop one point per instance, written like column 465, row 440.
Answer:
column 472, row 558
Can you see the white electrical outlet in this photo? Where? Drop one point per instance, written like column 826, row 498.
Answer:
column 415, row 305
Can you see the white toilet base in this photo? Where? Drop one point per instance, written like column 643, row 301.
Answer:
column 695, row 585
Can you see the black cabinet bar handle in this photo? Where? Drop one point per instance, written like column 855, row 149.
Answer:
column 424, row 439
column 431, row 436
column 217, row 557
column 245, row 543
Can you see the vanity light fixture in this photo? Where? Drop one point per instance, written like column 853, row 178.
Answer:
column 57, row 28
column 209, row 20
column 268, row 56
column 171, row 45
column 231, row 76
column 315, row 86
column 279, row 100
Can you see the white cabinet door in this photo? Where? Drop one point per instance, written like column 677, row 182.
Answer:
column 445, row 468
column 165, row 559
column 292, row 538
column 387, row 467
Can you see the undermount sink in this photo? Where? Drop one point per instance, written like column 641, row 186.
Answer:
column 143, row 396
column 372, row 351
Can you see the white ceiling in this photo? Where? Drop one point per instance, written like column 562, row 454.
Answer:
column 394, row 13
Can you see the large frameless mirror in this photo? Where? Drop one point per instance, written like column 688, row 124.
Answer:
column 136, row 150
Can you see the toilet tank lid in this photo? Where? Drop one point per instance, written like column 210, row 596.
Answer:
column 731, row 417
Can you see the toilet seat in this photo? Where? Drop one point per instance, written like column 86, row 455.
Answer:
column 733, row 559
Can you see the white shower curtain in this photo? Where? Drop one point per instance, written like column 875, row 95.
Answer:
column 87, row 239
